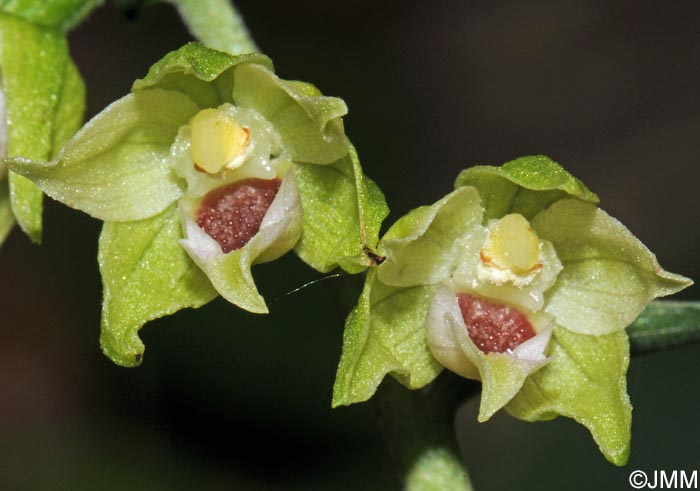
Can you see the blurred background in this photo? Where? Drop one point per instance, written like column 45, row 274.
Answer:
column 228, row 400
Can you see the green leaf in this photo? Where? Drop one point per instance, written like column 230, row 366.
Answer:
column 33, row 62
column 117, row 168
column 586, row 381
column 7, row 219
column 230, row 273
column 310, row 126
column 385, row 333
column 609, row 276
column 665, row 325
column 343, row 212
column 59, row 14
column 204, row 74
column 217, row 24
column 526, row 185
column 422, row 247
column 146, row 274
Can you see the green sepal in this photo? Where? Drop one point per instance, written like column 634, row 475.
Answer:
column 204, row 74
column 36, row 75
column 309, row 123
column 586, row 381
column 421, row 248
column 526, row 185
column 343, row 213
column 385, row 333
column 609, row 276
column 146, row 274
column 55, row 14
column 117, row 167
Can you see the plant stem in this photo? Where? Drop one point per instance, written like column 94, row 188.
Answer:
column 665, row 325
column 419, row 432
column 217, row 24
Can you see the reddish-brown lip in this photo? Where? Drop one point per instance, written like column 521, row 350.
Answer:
column 494, row 327
column 232, row 214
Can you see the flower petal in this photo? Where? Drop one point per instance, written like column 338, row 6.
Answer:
column 310, row 126
column 525, row 185
column 609, row 276
column 204, row 75
column 145, row 274
column 385, row 333
column 421, row 247
column 117, row 167
column 502, row 374
column 231, row 273
column 343, row 211
column 586, row 381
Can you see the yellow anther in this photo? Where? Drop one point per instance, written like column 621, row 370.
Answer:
column 216, row 140
column 512, row 245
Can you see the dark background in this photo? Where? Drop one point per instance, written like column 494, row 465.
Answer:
column 229, row 400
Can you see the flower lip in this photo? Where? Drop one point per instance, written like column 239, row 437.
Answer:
column 232, row 214
column 494, row 327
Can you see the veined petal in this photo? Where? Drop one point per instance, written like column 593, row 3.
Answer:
column 525, row 185
column 586, row 380
column 230, row 273
column 609, row 276
column 117, row 167
column 310, row 126
column 385, row 333
column 421, row 247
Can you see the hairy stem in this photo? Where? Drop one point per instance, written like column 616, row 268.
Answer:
column 419, row 432
column 665, row 325
column 217, row 24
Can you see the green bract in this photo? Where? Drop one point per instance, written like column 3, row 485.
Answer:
column 41, row 98
column 516, row 279
column 260, row 143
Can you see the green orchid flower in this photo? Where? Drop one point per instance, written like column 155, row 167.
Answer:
column 42, row 98
column 516, row 279
column 210, row 165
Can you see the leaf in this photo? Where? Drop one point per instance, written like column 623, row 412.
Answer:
column 609, row 276
column 204, row 74
column 33, row 62
column 59, row 14
column 217, row 24
column 343, row 212
column 665, row 325
column 117, row 168
column 385, row 333
column 586, row 381
column 310, row 126
column 230, row 273
column 146, row 274
column 526, row 185
column 422, row 247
